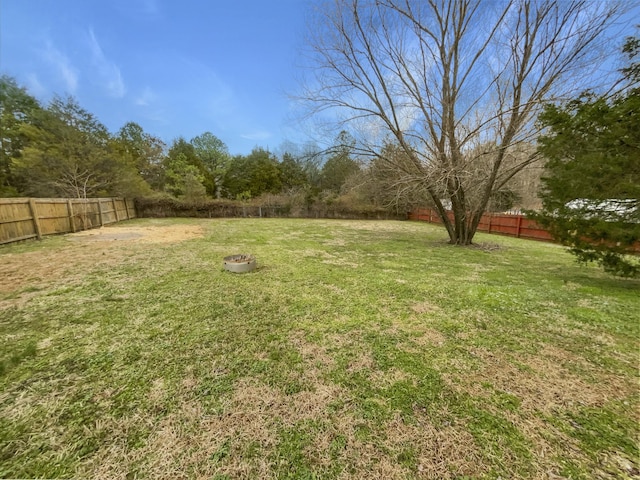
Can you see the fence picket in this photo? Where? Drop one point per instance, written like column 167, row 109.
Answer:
column 24, row 218
column 34, row 218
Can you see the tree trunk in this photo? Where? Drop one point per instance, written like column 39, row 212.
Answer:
column 464, row 230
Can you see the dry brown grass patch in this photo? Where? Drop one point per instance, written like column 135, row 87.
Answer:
column 445, row 452
column 333, row 288
column 363, row 362
column 390, row 377
column 140, row 233
column 189, row 382
column 335, row 242
column 157, row 392
column 90, row 250
column 182, row 443
column 548, row 386
column 313, row 354
column 425, row 307
column 268, row 404
column 430, row 337
column 380, row 226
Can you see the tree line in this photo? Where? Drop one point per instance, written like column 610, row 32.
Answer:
column 62, row 150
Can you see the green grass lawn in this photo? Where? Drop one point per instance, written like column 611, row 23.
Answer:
column 355, row 350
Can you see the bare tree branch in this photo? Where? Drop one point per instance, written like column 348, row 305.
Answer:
column 455, row 85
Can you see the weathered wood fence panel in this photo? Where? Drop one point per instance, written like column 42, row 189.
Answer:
column 16, row 220
column 24, row 218
column 511, row 225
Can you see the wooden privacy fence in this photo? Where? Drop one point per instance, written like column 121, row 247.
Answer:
column 512, row 225
column 24, row 218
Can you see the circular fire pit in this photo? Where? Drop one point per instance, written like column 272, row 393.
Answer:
column 241, row 263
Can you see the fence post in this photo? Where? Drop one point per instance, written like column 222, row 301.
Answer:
column 115, row 208
column 34, row 216
column 100, row 212
column 519, row 225
column 72, row 225
column 489, row 231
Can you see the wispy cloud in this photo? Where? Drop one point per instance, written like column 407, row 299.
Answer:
column 35, row 86
column 63, row 66
column 109, row 72
column 257, row 135
column 146, row 98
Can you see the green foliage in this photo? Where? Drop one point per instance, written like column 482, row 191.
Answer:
column 194, row 190
column 389, row 180
column 17, row 107
column 215, row 158
column 64, row 150
column 236, row 180
column 184, row 170
column 336, row 171
column 591, row 191
column 145, row 151
column 67, row 153
column 340, row 166
column 251, row 176
column 292, row 173
column 183, row 149
column 183, row 179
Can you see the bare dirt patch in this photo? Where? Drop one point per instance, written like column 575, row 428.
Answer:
column 86, row 250
column 140, row 233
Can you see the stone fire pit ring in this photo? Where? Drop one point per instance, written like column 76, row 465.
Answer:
column 240, row 263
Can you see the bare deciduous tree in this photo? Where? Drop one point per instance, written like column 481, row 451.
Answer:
column 74, row 182
column 454, row 84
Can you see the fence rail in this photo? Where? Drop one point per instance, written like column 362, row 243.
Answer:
column 511, row 225
column 25, row 218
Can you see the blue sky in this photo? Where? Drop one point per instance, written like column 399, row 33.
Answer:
column 176, row 68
